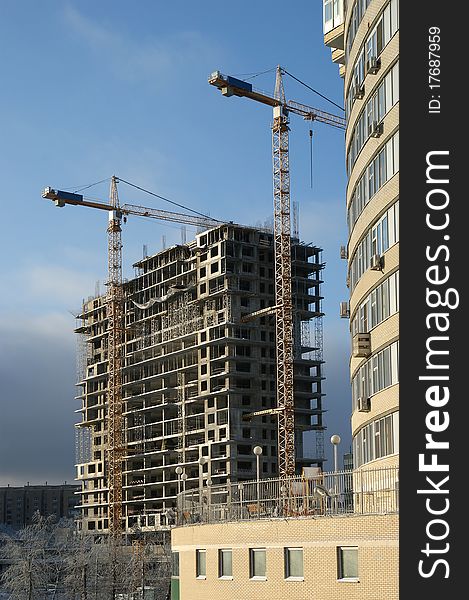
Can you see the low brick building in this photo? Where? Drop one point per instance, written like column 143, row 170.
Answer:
column 353, row 557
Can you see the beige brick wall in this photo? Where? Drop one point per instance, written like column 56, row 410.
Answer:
column 383, row 402
column 376, row 537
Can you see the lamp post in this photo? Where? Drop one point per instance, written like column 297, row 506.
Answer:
column 335, row 441
column 183, row 479
column 209, row 498
column 179, row 473
column 241, row 497
column 258, row 451
column 202, row 461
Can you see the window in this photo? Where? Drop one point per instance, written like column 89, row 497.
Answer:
column 378, row 105
column 377, row 373
column 175, row 564
column 377, row 439
column 347, row 562
column 257, row 563
column 201, row 563
column 381, row 236
column 294, row 563
column 225, row 563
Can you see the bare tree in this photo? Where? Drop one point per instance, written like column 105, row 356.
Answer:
column 54, row 560
column 26, row 552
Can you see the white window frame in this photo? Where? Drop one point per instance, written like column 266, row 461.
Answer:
column 252, row 576
column 287, row 561
column 198, row 553
column 221, row 574
column 340, row 567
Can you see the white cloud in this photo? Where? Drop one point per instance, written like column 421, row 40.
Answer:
column 32, row 287
column 56, row 283
column 18, row 329
column 132, row 61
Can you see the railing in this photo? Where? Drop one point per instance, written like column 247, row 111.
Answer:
column 371, row 491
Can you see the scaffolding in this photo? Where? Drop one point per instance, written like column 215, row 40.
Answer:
column 189, row 365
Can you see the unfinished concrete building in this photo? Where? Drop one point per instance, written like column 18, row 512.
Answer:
column 193, row 369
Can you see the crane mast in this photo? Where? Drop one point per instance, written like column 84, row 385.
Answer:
column 115, row 315
column 283, row 285
column 230, row 86
column 116, row 326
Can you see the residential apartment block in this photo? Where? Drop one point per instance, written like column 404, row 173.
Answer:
column 364, row 39
column 197, row 362
column 18, row 504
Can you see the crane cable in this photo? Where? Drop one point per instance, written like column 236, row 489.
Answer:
column 82, row 188
column 248, row 76
column 313, row 90
column 167, row 200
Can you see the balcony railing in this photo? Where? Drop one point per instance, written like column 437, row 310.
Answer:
column 361, row 492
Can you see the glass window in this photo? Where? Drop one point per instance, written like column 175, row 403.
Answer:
column 347, row 562
column 294, row 563
column 378, row 436
column 201, row 563
column 396, row 152
column 225, row 563
column 394, row 16
column 175, row 564
column 395, row 84
column 387, row 24
column 394, row 364
column 379, row 37
column 257, row 562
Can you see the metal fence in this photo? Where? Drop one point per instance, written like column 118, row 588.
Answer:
column 370, row 491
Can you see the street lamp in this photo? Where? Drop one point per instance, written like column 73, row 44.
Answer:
column 183, row 479
column 209, row 483
column 335, row 441
column 179, row 473
column 202, row 461
column 258, row 451
column 241, row 495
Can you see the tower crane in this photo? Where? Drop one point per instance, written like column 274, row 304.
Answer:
column 283, row 309
column 115, row 332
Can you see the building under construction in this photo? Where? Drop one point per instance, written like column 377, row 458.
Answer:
column 196, row 364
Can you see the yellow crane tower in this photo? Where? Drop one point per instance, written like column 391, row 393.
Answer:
column 115, row 332
column 230, row 86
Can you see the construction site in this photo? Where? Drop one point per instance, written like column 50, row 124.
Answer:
column 205, row 368
column 200, row 396
column 194, row 364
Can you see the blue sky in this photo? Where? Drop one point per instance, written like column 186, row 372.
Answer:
column 91, row 89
